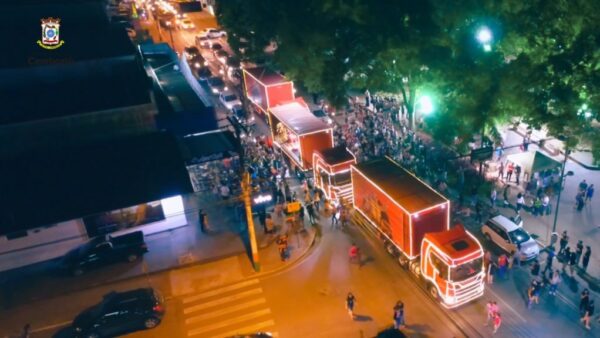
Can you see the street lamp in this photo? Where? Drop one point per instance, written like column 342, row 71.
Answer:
column 424, row 106
column 484, row 36
column 560, row 187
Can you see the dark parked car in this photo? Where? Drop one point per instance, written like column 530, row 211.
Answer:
column 203, row 73
column 120, row 313
column 216, row 85
column 103, row 250
column 216, row 46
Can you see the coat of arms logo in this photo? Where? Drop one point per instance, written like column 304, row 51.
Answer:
column 50, row 34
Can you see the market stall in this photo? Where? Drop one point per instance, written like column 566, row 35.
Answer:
column 331, row 172
column 298, row 133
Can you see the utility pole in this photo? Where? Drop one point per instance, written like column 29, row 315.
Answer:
column 251, row 233
column 562, row 179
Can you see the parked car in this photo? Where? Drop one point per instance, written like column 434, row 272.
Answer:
column 216, row 84
column 203, row 73
column 229, row 99
column 322, row 115
column 213, row 33
column 509, row 236
column 121, row 312
column 222, row 56
column 245, row 119
column 104, row 250
column 186, row 24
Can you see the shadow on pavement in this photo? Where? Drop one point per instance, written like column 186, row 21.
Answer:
column 362, row 318
column 391, row 333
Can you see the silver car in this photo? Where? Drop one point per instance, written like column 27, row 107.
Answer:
column 510, row 237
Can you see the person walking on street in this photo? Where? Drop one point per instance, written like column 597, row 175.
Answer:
column 530, row 292
column 399, row 315
column 584, row 300
column 478, row 212
column 583, row 186
column 310, row 209
column 493, row 197
column 589, row 193
column 572, row 262
column 335, row 214
column 350, row 302
column 518, row 173
column 501, row 171
column 497, row 322
column 491, row 309
column 505, row 194
column 566, row 256
column 564, row 240
column 491, row 271
column 354, row 254
column 520, row 202
column 586, row 258
column 579, row 201
column 554, row 281
column 282, row 246
column 578, row 251
column 317, row 200
column 587, row 316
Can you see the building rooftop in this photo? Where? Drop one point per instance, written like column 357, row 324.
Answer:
column 53, row 185
column 402, row 186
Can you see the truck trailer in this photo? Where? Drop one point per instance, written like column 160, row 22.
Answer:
column 413, row 221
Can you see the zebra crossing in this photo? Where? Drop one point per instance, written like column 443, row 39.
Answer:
column 227, row 311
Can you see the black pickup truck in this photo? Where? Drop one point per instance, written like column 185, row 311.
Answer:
column 104, row 250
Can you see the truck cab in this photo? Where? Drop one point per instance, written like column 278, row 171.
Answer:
column 452, row 263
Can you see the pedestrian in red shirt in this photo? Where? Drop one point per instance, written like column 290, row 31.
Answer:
column 497, row 321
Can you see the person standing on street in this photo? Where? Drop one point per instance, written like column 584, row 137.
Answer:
column 583, row 186
column 26, row 333
column 549, row 259
column 202, row 220
column 518, row 173
column 566, row 257
column 493, row 197
column 502, row 266
column 491, row 271
column 505, row 194
column 501, row 171
column 509, row 171
column 399, row 315
column 584, row 300
column 554, row 281
column 586, row 258
column 350, row 302
column 535, row 268
column 578, row 251
column 497, row 322
column 564, row 240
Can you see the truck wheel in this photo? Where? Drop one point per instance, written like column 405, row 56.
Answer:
column 151, row 323
column 433, row 292
column 390, row 249
column 131, row 257
column 77, row 272
column 403, row 261
column 414, row 268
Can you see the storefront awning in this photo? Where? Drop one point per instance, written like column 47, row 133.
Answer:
column 209, row 146
column 533, row 162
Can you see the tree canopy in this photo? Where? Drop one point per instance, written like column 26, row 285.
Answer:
column 542, row 67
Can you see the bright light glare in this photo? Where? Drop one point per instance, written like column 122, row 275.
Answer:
column 425, row 105
column 484, row 35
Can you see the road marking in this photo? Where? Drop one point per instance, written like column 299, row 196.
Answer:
column 223, row 300
column 49, row 327
column 566, row 300
column 251, row 328
column 226, row 323
column 227, row 310
column 217, row 291
column 507, row 305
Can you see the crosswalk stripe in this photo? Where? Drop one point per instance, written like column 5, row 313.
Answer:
column 250, row 328
column 222, row 324
column 224, row 311
column 215, row 292
column 223, row 300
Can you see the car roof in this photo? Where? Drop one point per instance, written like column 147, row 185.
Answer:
column 505, row 223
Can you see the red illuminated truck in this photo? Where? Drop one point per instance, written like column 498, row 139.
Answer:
column 413, row 220
column 331, row 172
column 298, row 133
column 266, row 88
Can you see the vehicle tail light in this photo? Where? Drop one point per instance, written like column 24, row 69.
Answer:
column 158, row 308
